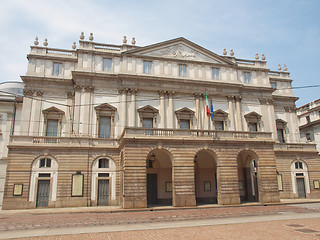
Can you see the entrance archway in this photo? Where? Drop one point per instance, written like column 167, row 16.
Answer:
column 248, row 176
column 205, row 176
column 159, row 178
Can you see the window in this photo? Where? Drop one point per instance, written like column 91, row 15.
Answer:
column 103, row 163
column 253, row 127
column 308, row 119
column 184, row 124
column 273, row 85
column 147, row 122
column 104, row 127
column 280, row 135
column 308, row 136
column 52, row 128
column 107, row 64
column 57, row 69
column 247, row 77
column 219, row 125
column 215, row 73
column 298, row 165
column 182, row 70
column 45, row 163
column 147, row 66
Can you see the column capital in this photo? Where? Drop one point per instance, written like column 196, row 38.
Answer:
column 230, row 98
column 161, row 93
column 123, row 90
column 133, row 91
column 89, row 88
column 28, row 92
column 39, row 93
column 238, row 98
column 70, row 95
column 263, row 101
column 78, row 88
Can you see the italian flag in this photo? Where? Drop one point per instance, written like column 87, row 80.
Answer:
column 207, row 106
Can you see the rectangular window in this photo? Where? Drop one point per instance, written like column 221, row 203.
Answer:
column 247, row 77
column 308, row 119
column 107, row 64
column 104, row 127
column 253, row 127
column 219, row 125
column 45, row 162
column 298, row 165
column 184, row 124
column 103, row 163
column 147, row 123
column 57, row 69
column 52, row 128
column 308, row 136
column 147, row 66
column 182, row 70
column 215, row 73
column 280, row 135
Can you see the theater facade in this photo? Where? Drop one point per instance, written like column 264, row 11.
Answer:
column 171, row 123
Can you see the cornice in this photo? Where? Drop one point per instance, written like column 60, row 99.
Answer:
column 55, row 57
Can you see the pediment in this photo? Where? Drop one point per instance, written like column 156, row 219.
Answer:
column 253, row 115
column 280, row 121
column 105, row 107
column 53, row 110
column 180, row 49
column 184, row 111
column 220, row 112
column 148, row 109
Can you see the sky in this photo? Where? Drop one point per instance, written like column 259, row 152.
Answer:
column 287, row 31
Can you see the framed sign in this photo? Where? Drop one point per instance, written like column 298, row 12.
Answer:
column 168, row 186
column 17, row 189
column 207, row 186
column 77, row 185
column 316, row 184
column 280, row 185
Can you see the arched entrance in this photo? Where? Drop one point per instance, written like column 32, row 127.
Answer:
column 159, row 178
column 300, row 179
column 205, row 176
column 248, row 176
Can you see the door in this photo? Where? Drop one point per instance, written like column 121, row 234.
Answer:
column 103, row 192
column 43, row 193
column 301, row 188
column 152, row 193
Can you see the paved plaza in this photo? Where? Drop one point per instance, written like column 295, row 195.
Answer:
column 294, row 221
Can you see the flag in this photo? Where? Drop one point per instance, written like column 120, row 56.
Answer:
column 207, row 105
column 211, row 110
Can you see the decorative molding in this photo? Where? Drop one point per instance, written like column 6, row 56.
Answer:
column 89, row 88
column 39, row 93
column 78, row 88
column 28, row 92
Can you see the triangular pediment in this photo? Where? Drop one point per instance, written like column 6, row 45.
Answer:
column 184, row 111
column 180, row 49
column 105, row 107
column 148, row 109
column 220, row 112
column 253, row 115
column 53, row 110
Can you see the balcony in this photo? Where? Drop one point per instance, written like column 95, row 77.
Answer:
column 164, row 133
column 295, row 147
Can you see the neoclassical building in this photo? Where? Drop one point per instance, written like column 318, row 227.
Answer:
column 170, row 123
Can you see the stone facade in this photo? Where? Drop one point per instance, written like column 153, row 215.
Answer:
column 126, row 125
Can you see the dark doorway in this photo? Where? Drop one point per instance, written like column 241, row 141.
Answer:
column 301, row 188
column 152, row 193
column 43, row 193
column 103, row 192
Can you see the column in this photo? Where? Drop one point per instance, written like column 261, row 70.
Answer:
column 123, row 109
column 290, row 131
column 238, row 114
column 26, row 112
column 86, row 111
column 162, row 114
column 170, row 117
column 198, row 112
column 77, row 103
column 295, row 124
column 69, row 114
column 132, row 119
column 272, row 119
column 204, row 115
column 266, row 118
column 231, row 112
column 36, row 114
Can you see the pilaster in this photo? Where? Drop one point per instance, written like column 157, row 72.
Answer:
column 26, row 112
column 231, row 112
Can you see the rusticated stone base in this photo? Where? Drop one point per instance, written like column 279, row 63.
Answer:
column 184, row 200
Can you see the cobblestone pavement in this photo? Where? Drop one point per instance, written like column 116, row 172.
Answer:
column 33, row 220
column 282, row 230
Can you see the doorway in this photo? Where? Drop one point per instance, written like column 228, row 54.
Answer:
column 103, row 192
column 301, row 188
column 43, row 193
column 152, row 193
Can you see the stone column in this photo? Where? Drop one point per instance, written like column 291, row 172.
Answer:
column 69, row 114
column 198, row 112
column 295, row 124
column 204, row 115
column 162, row 110
column 170, row 117
column 87, row 111
column 123, row 110
column 272, row 119
column 132, row 120
column 26, row 112
column 231, row 112
column 77, row 103
column 290, row 131
column 35, row 120
column 266, row 121
column 238, row 114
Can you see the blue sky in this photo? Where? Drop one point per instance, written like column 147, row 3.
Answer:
column 287, row 31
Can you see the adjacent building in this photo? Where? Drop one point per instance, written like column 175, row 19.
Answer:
column 10, row 109
column 309, row 122
column 170, row 123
